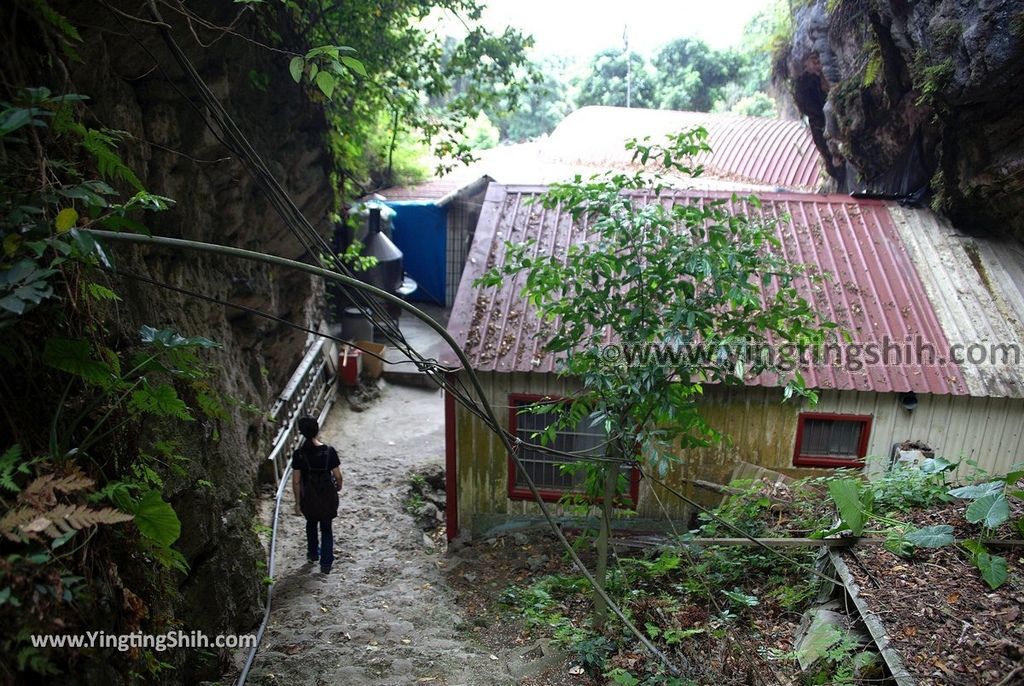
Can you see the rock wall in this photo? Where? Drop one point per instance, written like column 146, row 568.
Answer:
column 917, row 99
column 136, row 86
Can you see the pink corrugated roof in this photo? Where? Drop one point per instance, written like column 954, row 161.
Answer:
column 759, row 151
column 874, row 291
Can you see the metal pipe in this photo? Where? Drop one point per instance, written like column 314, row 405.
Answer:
column 456, row 348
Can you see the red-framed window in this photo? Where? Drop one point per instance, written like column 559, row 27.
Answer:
column 831, row 440
column 544, row 467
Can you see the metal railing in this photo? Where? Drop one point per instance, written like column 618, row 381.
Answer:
column 309, row 391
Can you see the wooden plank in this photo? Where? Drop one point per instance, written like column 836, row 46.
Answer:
column 786, row 542
column 874, row 625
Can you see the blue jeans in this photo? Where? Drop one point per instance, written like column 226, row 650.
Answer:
column 325, row 549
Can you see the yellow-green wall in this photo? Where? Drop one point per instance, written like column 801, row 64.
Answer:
column 760, row 428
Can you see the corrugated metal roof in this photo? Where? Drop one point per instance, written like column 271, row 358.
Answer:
column 748, row 153
column 976, row 285
column 875, row 291
column 753, row 150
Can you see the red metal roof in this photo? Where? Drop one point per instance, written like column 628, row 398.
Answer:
column 874, row 291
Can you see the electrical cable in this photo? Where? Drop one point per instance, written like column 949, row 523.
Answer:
column 244, row 308
column 282, row 203
column 463, row 398
column 367, row 298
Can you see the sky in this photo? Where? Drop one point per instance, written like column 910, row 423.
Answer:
column 579, row 28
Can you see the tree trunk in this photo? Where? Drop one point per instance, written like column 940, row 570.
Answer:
column 611, row 476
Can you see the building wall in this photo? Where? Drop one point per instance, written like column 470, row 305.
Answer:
column 463, row 214
column 760, row 429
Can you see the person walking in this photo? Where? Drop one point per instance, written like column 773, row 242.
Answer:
column 316, row 483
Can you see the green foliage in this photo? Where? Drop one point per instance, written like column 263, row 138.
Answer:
column 853, row 503
column 691, row 75
column 544, row 103
column 40, row 218
column 840, row 662
column 935, row 536
column 657, row 274
column 482, row 134
column 394, row 155
column 930, row 79
column 992, row 567
column 156, row 519
column 611, row 76
column 322, row 65
column 906, row 487
column 990, row 510
column 755, row 105
column 392, row 65
column 102, row 145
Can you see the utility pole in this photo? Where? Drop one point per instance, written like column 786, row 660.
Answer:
column 629, row 66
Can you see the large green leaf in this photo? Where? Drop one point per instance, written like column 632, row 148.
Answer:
column 991, row 510
column 295, row 67
column 992, row 568
column 846, row 495
column 74, row 356
column 326, row 81
column 156, row 519
column 937, row 465
column 977, row 490
column 931, row 536
column 353, row 64
column 166, row 338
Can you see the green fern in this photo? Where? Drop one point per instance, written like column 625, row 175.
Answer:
column 872, row 70
column 66, row 31
column 103, row 146
column 11, row 464
column 56, row 19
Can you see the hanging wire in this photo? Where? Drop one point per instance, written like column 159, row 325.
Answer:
column 362, row 295
column 460, row 394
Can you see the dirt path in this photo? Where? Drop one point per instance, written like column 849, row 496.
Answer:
column 385, row 614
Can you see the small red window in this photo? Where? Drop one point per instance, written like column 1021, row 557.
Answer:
column 831, row 440
column 543, row 467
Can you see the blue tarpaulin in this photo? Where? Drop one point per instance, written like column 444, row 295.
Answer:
column 421, row 233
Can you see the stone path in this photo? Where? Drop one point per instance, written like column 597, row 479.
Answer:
column 385, row 614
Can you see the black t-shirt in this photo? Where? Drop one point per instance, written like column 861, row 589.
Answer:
column 320, row 458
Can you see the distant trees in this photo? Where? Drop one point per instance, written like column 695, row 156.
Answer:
column 691, row 75
column 545, row 102
column 606, row 84
column 686, row 74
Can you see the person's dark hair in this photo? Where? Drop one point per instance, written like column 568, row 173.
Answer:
column 308, row 427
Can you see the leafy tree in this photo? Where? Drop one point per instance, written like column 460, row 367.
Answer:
column 660, row 273
column 756, row 105
column 690, row 74
column 482, row 133
column 606, row 84
column 390, row 62
column 768, row 32
column 540, row 109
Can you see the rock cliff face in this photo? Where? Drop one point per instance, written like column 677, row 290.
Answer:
column 135, row 86
column 918, row 98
